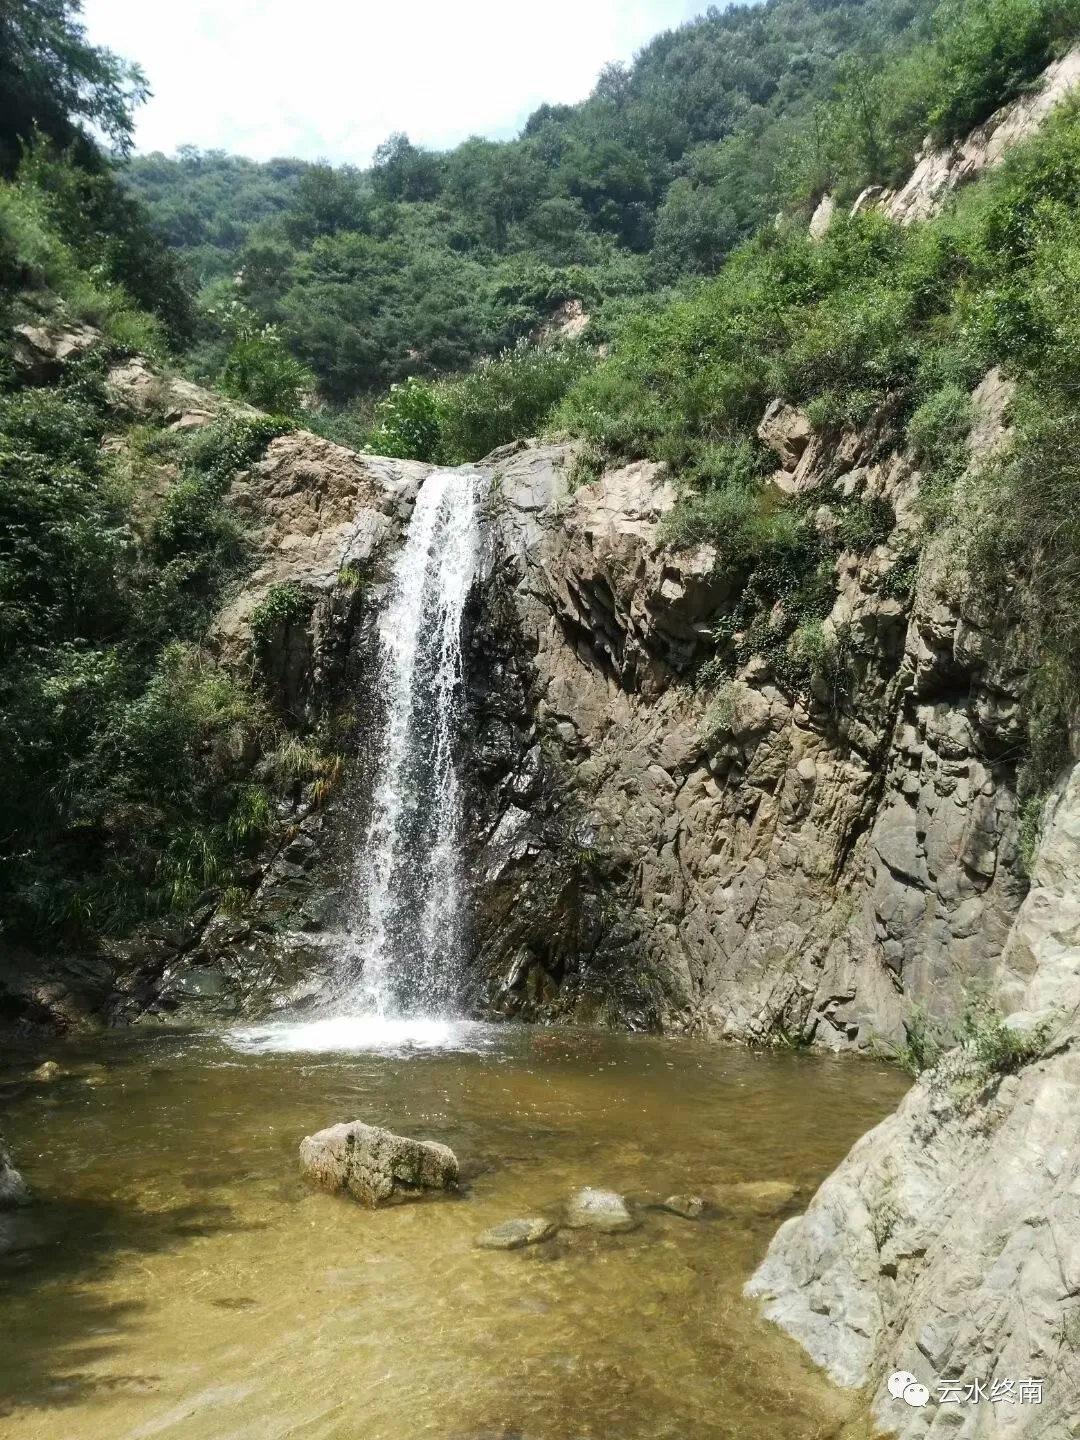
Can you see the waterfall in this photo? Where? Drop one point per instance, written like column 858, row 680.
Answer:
column 405, row 926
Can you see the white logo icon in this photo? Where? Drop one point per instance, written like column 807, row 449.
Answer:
column 899, row 1381
column 905, row 1386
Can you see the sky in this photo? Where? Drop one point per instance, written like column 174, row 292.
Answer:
column 331, row 79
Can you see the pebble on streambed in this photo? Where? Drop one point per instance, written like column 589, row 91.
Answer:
column 690, row 1207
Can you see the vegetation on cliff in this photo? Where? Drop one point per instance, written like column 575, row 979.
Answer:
column 127, row 756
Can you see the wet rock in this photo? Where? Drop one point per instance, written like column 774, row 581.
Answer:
column 602, row 1210
column 375, row 1166
column 49, row 1070
column 19, row 1233
column 764, row 1197
column 514, row 1234
column 690, row 1207
column 13, row 1188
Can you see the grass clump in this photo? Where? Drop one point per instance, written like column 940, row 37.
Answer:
column 986, row 1044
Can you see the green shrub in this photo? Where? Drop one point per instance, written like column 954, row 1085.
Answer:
column 923, row 1046
column 408, row 423
column 507, row 398
column 997, row 1047
column 258, row 366
column 282, row 606
column 989, row 50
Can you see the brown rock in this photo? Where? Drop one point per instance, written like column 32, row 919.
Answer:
column 786, row 431
column 764, row 1197
column 375, row 1166
column 690, row 1207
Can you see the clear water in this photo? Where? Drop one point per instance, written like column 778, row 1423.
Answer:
column 176, row 1279
column 403, row 951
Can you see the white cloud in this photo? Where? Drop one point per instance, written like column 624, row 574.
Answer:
column 333, row 78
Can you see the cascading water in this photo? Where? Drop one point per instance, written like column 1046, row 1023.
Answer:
column 405, row 929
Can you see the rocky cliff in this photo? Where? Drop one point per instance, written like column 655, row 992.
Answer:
column 947, row 1244
column 769, row 861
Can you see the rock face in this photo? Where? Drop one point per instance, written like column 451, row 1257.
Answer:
column 13, row 1189
column 42, row 351
column 375, row 1166
column 941, row 172
column 743, row 861
column 948, row 1242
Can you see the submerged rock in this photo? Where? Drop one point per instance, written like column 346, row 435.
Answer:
column 590, row 1209
column 690, row 1207
column 765, row 1197
column 49, row 1070
column 375, row 1166
column 13, row 1189
column 514, row 1234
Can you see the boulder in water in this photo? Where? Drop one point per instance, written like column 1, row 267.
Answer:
column 590, row 1209
column 13, row 1189
column 49, row 1070
column 514, row 1234
column 375, row 1166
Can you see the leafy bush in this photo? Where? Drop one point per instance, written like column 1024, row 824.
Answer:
column 283, row 605
column 127, row 754
column 408, row 423
column 986, row 1041
column 997, row 1047
column 507, row 398
column 988, row 51
column 456, row 421
column 258, row 366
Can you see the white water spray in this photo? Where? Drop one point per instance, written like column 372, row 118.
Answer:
column 405, row 929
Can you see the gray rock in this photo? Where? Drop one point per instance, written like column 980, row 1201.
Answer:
column 690, row 1207
column 603, row 1210
column 375, row 1166
column 13, row 1188
column 947, row 1243
column 515, row 1234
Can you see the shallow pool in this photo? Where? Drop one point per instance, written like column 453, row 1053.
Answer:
column 176, row 1279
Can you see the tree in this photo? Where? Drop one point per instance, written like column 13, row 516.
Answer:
column 53, row 82
column 402, row 172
